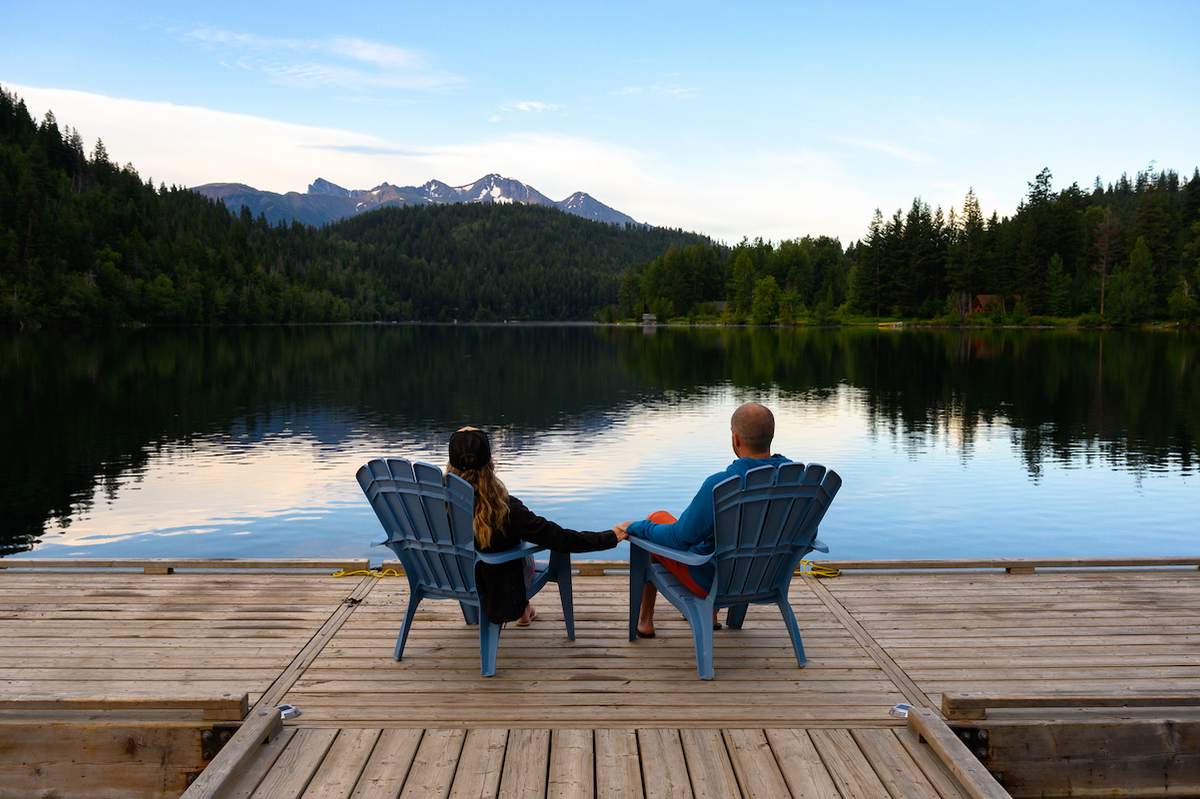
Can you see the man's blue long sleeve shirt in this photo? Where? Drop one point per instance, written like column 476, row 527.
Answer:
column 693, row 530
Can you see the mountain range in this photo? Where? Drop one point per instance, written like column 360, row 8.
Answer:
column 326, row 202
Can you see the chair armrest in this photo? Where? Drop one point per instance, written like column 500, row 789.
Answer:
column 517, row 552
column 690, row 558
column 820, row 546
column 379, row 542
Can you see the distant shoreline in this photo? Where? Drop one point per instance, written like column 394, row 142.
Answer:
column 879, row 324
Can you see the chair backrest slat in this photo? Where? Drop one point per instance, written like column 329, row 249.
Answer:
column 765, row 521
column 428, row 520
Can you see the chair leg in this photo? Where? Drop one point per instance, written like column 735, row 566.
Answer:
column 736, row 616
column 560, row 565
column 489, row 646
column 789, row 618
column 699, row 616
column 470, row 613
column 414, row 599
column 639, row 561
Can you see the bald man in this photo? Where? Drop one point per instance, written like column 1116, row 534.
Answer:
column 752, row 428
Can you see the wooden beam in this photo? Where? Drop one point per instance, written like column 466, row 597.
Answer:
column 1014, row 565
column 974, row 706
column 975, row 780
column 226, row 707
column 1129, row 757
column 598, row 568
column 237, row 754
column 583, row 567
column 167, row 565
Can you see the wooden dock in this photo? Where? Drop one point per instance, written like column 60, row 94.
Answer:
column 105, row 651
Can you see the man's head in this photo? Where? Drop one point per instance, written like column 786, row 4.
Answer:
column 753, row 428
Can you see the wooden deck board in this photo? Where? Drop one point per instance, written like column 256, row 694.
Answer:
column 132, row 635
column 568, row 763
column 1093, row 632
column 600, row 678
column 601, row 715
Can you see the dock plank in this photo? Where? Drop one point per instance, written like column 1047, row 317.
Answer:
column 754, row 764
column 600, row 715
column 801, row 765
column 618, row 769
column 298, row 762
column 572, row 765
column 526, row 764
column 343, row 765
column 708, row 764
column 433, row 767
column 480, row 764
column 664, row 769
column 387, row 768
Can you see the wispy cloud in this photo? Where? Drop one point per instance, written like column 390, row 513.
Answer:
column 887, row 148
column 532, row 106
column 370, row 149
column 342, row 62
column 777, row 193
column 658, row 90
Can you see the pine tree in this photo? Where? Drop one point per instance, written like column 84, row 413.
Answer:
column 766, row 301
column 1134, row 292
column 1058, row 301
column 741, row 285
column 1106, row 240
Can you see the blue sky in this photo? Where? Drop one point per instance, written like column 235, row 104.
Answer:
column 777, row 120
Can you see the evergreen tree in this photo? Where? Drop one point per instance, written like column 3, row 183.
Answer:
column 1058, row 301
column 1133, row 290
column 741, row 285
column 1106, row 240
column 766, row 301
column 789, row 306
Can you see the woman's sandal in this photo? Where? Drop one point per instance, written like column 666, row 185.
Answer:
column 532, row 615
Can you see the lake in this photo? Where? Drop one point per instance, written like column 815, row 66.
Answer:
column 243, row 442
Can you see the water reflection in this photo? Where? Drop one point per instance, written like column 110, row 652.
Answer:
column 245, row 441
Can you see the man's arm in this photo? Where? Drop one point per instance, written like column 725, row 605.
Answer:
column 693, row 525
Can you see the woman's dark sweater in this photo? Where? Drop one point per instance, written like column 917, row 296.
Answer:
column 502, row 586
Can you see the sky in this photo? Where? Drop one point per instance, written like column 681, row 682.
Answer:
column 733, row 119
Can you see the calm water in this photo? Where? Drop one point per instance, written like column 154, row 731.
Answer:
column 244, row 442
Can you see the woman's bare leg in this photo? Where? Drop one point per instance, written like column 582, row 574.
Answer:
column 645, row 623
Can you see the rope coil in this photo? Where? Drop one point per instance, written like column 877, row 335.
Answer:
column 814, row 568
column 388, row 572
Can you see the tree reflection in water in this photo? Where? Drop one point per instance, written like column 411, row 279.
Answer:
column 84, row 414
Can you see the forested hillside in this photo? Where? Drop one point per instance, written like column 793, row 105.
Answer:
column 83, row 240
column 1125, row 252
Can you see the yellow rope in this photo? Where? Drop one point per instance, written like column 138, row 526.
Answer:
column 813, row 568
column 388, row 572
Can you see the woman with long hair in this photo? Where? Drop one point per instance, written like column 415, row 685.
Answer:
column 501, row 522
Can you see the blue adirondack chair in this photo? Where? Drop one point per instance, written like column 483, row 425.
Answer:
column 427, row 518
column 766, row 522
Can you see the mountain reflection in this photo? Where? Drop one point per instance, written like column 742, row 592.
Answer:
column 84, row 416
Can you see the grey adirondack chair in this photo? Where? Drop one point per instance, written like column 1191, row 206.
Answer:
column 427, row 520
column 766, row 522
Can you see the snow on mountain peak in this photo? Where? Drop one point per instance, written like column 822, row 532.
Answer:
column 326, row 201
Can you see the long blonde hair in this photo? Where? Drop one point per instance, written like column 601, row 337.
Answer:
column 491, row 501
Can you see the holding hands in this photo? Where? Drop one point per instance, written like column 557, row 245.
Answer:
column 621, row 530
